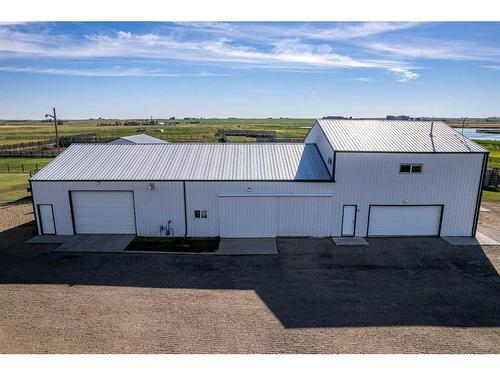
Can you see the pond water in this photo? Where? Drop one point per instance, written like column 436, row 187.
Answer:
column 472, row 134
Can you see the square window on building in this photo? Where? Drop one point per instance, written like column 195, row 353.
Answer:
column 200, row 214
column 405, row 168
column 416, row 168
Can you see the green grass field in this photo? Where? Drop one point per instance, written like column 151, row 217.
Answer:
column 13, row 187
column 184, row 130
column 22, row 165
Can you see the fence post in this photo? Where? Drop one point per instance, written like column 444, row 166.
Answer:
column 8, row 168
column 22, row 167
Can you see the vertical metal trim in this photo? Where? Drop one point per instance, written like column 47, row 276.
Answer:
column 72, row 212
column 135, row 216
column 185, row 209
column 35, row 213
column 334, row 165
column 441, row 220
column 479, row 193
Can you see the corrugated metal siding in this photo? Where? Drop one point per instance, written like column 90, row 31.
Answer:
column 449, row 179
column 205, row 195
column 395, row 136
column 317, row 137
column 177, row 162
column 305, row 216
column 362, row 179
column 143, row 139
column 152, row 208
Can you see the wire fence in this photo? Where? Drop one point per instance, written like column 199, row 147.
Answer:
column 21, row 167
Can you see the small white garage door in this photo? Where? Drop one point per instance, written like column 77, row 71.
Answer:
column 404, row 220
column 247, row 216
column 271, row 216
column 103, row 212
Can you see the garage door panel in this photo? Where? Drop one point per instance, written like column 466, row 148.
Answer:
column 107, row 221
column 104, row 212
column 110, row 229
column 404, row 220
column 304, row 216
column 118, row 212
column 270, row 216
column 247, row 216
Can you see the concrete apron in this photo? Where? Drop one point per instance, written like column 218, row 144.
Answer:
column 97, row 243
column 350, row 241
column 49, row 238
column 479, row 240
column 247, row 246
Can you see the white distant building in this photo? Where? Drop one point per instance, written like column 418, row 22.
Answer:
column 349, row 178
column 141, row 139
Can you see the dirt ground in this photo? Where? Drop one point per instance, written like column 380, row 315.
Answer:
column 395, row 296
column 489, row 222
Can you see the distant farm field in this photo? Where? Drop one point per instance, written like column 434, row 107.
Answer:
column 14, row 132
column 182, row 130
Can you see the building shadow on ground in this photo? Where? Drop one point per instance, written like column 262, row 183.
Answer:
column 312, row 283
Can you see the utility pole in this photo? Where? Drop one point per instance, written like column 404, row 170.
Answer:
column 55, row 125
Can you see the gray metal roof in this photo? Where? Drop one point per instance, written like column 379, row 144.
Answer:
column 395, row 136
column 186, row 161
column 138, row 139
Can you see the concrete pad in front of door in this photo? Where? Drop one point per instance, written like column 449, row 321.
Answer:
column 49, row 238
column 97, row 243
column 350, row 241
column 247, row 246
column 478, row 240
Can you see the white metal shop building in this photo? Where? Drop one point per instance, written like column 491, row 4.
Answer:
column 349, row 178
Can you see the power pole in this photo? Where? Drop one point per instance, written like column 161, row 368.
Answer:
column 57, row 133
column 53, row 116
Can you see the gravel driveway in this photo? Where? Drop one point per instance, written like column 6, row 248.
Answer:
column 395, row 296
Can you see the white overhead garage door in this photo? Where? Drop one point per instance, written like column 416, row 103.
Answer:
column 103, row 212
column 404, row 220
column 271, row 216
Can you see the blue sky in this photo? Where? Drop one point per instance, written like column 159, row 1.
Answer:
column 136, row 70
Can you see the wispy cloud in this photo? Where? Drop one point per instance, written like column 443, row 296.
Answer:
column 296, row 47
column 282, row 54
column 312, row 31
column 112, row 72
column 432, row 49
column 362, row 79
column 404, row 75
column 494, row 67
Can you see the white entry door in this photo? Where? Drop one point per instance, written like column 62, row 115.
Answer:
column 349, row 220
column 103, row 212
column 47, row 224
column 404, row 220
